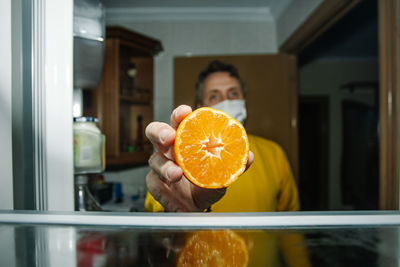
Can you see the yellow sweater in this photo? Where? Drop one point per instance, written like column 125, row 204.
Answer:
column 268, row 185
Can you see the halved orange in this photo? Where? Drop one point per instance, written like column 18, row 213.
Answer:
column 211, row 147
column 214, row 248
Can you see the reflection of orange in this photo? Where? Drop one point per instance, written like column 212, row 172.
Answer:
column 214, row 248
column 211, row 147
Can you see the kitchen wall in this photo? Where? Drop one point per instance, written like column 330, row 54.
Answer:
column 323, row 78
column 180, row 38
column 6, row 185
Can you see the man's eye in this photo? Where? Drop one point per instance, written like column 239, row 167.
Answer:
column 234, row 94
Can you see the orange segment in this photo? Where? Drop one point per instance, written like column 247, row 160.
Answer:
column 211, row 147
column 214, row 248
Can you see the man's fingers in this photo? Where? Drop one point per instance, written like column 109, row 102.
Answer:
column 160, row 133
column 179, row 114
column 165, row 168
column 250, row 159
column 162, row 136
column 163, row 193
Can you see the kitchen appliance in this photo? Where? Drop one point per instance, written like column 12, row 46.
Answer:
column 89, row 36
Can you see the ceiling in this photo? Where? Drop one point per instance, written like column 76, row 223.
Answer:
column 353, row 36
column 276, row 7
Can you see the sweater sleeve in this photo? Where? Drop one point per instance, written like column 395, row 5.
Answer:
column 152, row 205
column 293, row 248
column 288, row 197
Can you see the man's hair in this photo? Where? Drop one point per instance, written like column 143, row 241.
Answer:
column 216, row 66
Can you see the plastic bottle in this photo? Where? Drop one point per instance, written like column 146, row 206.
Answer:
column 89, row 146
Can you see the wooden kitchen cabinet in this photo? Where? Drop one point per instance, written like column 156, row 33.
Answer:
column 123, row 101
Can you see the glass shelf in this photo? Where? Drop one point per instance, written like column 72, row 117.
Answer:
column 32, row 238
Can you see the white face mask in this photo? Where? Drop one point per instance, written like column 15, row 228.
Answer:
column 235, row 108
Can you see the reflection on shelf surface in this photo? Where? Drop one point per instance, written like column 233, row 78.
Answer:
column 77, row 245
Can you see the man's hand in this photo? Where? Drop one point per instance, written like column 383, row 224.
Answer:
column 166, row 182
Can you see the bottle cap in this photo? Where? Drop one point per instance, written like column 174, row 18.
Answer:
column 81, row 179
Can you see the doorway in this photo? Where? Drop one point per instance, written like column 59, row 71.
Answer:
column 343, row 60
column 314, row 151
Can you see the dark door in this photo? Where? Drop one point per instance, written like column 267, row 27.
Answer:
column 360, row 161
column 313, row 152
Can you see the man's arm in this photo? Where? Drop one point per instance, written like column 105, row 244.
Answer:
column 165, row 181
column 288, row 199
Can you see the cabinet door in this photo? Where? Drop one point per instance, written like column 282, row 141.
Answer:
column 271, row 85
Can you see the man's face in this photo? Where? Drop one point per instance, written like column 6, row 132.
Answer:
column 220, row 86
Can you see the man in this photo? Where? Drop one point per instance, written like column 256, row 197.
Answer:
column 268, row 185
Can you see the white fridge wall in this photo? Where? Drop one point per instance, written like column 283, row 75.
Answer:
column 6, row 185
column 59, row 89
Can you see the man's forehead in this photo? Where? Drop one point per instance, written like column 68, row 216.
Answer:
column 216, row 90
column 220, row 79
